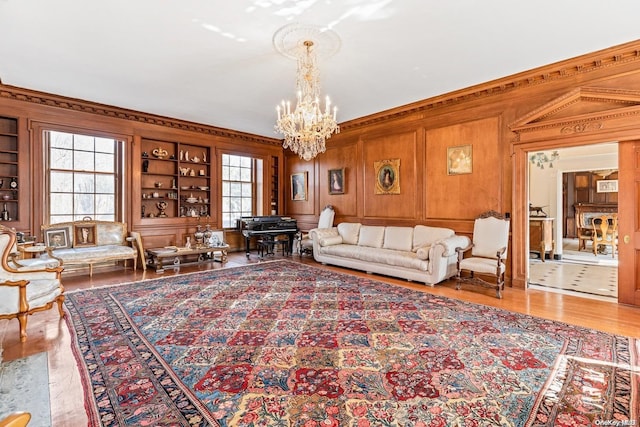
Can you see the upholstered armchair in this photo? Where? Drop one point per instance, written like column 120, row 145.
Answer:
column 325, row 221
column 488, row 253
column 24, row 292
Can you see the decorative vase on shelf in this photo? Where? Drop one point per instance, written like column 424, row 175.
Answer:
column 199, row 236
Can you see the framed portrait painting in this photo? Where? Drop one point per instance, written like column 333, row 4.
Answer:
column 387, row 176
column 299, row 186
column 459, row 160
column 336, row 181
column 57, row 238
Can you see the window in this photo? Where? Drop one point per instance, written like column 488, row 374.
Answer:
column 82, row 177
column 240, row 188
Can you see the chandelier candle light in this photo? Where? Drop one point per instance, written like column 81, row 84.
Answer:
column 308, row 126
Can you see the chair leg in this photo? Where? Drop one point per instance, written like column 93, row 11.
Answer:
column 60, row 301
column 22, row 320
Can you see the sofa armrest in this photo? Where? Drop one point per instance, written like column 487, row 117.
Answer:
column 453, row 243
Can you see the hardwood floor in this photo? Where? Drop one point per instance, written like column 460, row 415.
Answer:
column 46, row 332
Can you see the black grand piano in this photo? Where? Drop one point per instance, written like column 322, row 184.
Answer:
column 261, row 226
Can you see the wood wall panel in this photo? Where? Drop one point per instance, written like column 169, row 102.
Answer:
column 338, row 157
column 466, row 195
column 402, row 146
column 300, row 207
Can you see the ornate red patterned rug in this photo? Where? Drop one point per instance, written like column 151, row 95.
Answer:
column 286, row 344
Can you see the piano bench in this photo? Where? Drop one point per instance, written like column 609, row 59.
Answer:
column 268, row 243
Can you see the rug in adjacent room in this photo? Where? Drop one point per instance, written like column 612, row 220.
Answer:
column 286, row 344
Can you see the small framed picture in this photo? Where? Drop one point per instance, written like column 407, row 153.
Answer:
column 607, row 186
column 459, row 160
column 217, row 239
column 336, row 181
column 57, row 238
column 299, row 186
column 84, row 235
column 387, row 176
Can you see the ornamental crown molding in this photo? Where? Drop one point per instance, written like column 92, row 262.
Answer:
column 607, row 58
column 57, row 101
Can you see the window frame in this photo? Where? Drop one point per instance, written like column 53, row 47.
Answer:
column 258, row 190
column 39, row 146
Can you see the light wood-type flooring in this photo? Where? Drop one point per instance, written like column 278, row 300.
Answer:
column 46, row 332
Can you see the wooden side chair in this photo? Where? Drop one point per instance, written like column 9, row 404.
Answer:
column 605, row 233
column 24, row 292
column 585, row 232
column 488, row 253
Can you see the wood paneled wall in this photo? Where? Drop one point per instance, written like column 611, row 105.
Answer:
column 483, row 116
column 499, row 119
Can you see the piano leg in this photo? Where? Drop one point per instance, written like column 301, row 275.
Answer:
column 246, row 245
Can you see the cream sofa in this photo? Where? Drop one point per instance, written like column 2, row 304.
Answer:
column 421, row 253
column 89, row 242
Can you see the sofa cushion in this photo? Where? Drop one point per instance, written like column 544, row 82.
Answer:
column 349, row 232
column 398, row 238
column 423, row 252
column 330, row 240
column 376, row 255
column 424, row 235
column 371, row 236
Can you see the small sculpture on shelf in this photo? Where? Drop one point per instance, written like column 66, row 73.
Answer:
column 143, row 210
column 162, row 207
column 160, row 153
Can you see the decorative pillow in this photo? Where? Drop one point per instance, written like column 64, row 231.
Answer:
column 371, row 236
column 423, row 252
column 330, row 241
column 398, row 238
column 349, row 232
column 424, row 235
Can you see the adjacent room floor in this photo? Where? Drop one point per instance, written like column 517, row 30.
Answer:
column 579, row 272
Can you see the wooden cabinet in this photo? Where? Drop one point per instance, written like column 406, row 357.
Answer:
column 175, row 180
column 541, row 237
column 9, row 183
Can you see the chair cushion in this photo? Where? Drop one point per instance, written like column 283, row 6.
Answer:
column 371, row 236
column 489, row 236
column 482, row 265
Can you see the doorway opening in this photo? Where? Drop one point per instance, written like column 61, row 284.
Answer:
column 566, row 185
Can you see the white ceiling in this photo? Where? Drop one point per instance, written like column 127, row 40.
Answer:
column 213, row 61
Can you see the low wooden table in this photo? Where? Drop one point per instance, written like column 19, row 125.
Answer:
column 177, row 257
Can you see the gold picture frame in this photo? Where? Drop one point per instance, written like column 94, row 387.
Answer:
column 299, row 186
column 460, row 160
column 84, row 235
column 387, row 176
column 336, row 181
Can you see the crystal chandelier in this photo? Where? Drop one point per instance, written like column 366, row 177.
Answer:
column 308, row 125
column 541, row 158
